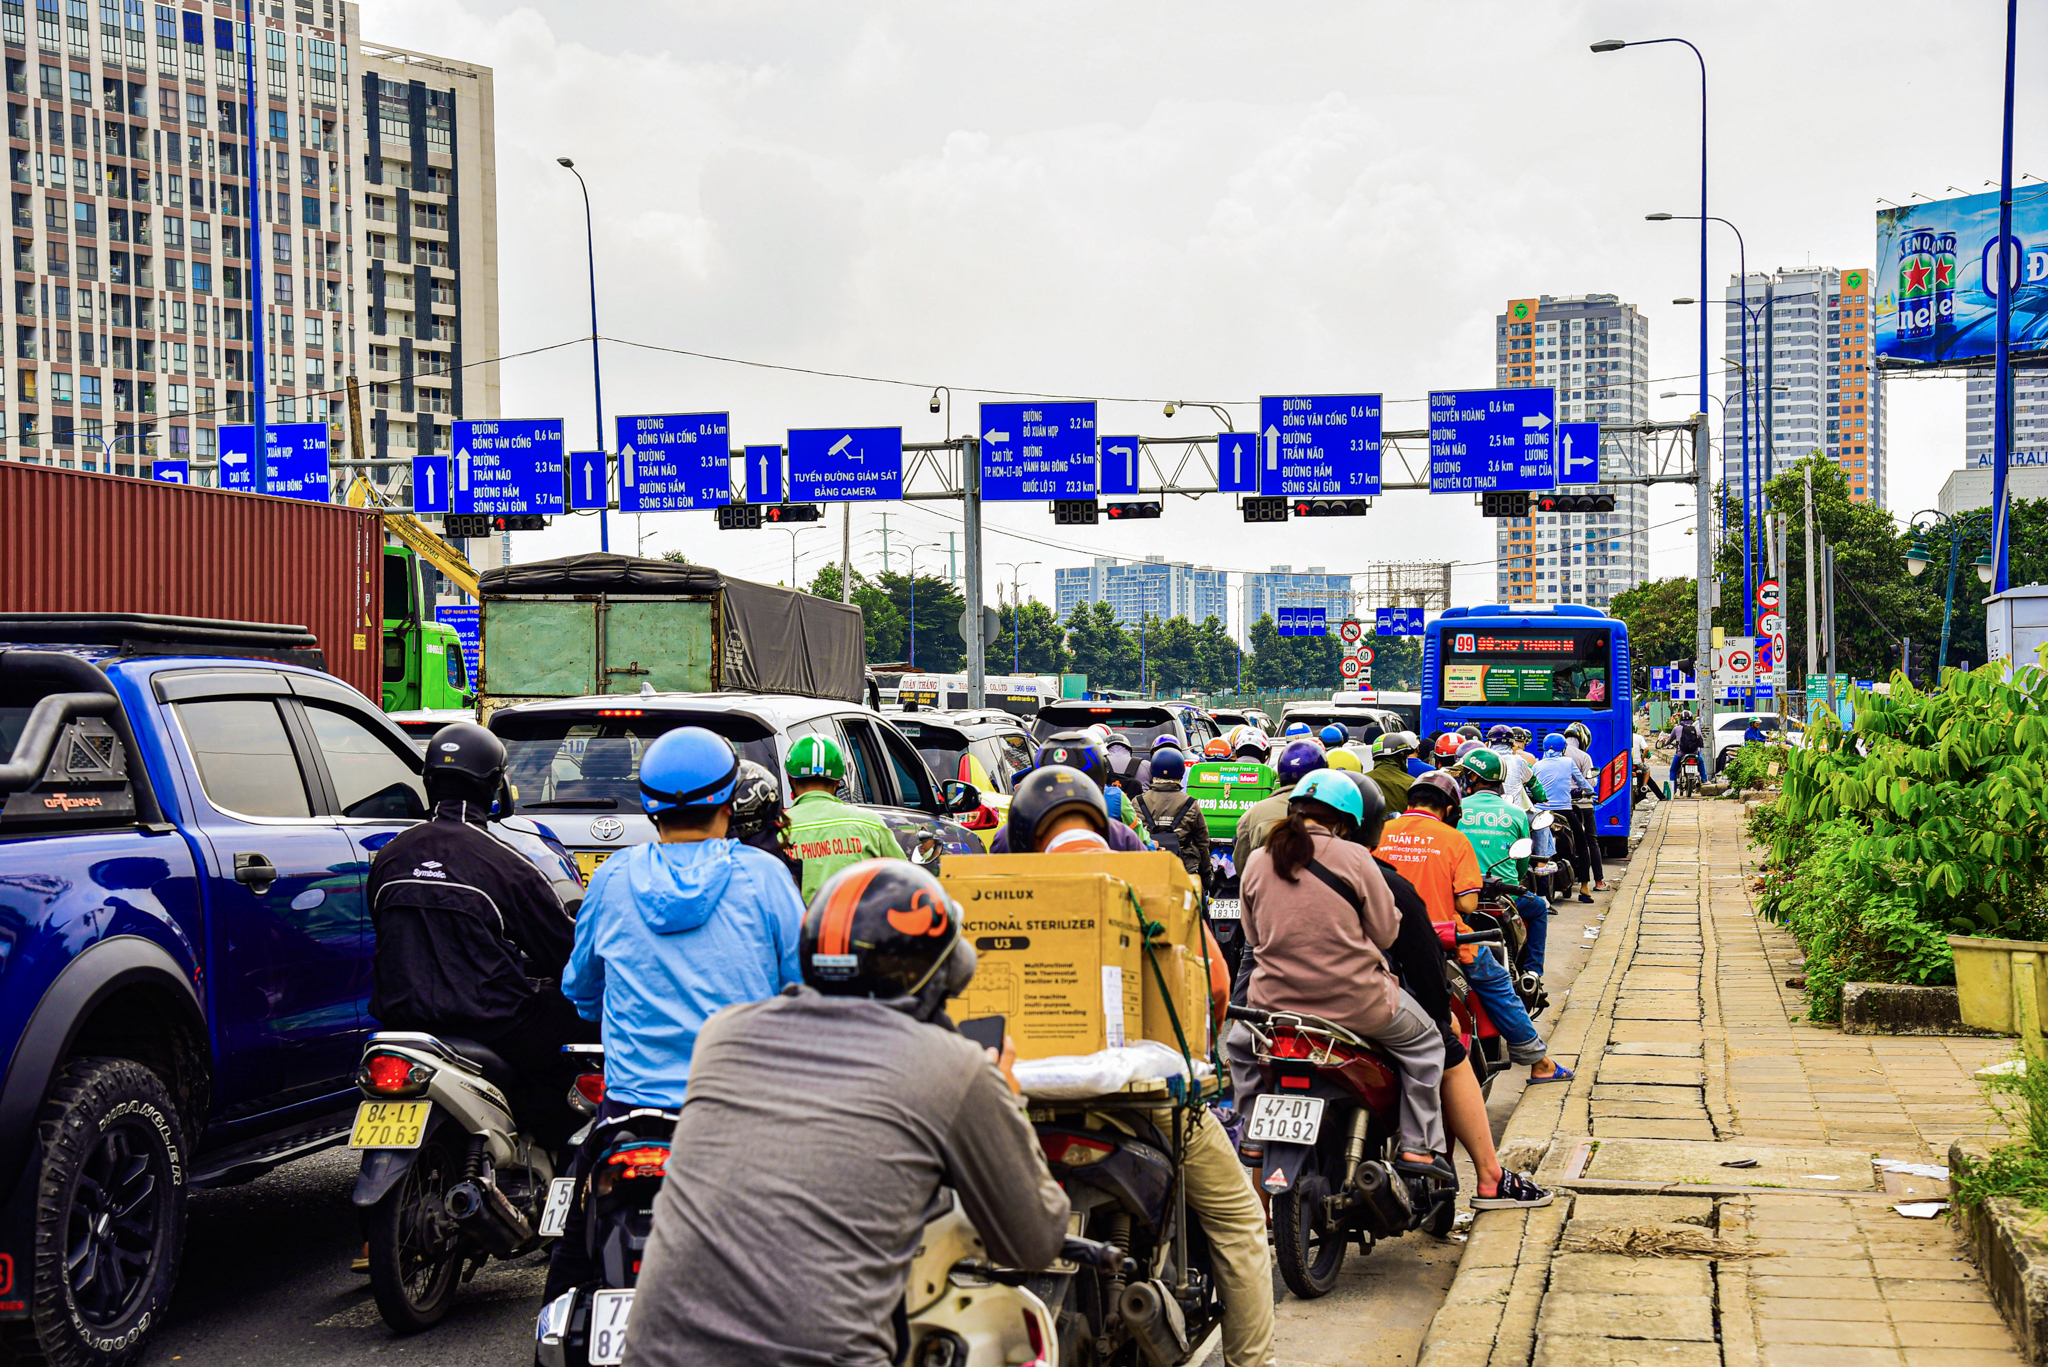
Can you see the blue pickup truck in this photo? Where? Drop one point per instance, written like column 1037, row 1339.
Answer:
column 188, row 811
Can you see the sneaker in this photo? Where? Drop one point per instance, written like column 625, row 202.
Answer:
column 1515, row 1192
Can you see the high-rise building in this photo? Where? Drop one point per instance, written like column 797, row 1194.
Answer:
column 1153, row 585
column 1809, row 335
column 1281, row 587
column 2027, row 472
column 1594, row 351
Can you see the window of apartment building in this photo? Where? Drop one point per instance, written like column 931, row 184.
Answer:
column 281, row 247
column 174, row 231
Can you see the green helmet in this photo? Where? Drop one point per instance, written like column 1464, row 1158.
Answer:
column 1483, row 765
column 816, row 757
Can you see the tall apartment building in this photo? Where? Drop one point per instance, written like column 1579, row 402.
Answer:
column 1153, row 585
column 1970, row 487
column 1594, row 351
column 1809, row 333
column 1281, row 587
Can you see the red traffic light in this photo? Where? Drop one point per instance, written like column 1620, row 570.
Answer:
column 1122, row 512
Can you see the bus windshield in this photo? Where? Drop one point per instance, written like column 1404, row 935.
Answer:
column 1526, row 667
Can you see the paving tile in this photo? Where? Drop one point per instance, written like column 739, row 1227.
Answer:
column 1560, row 1350
column 1814, row 1288
column 1607, row 1316
column 1927, row 1269
column 1961, row 1357
column 1611, row 1274
column 1827, row 1355
column 1938, row 1335
column 1853, row 1333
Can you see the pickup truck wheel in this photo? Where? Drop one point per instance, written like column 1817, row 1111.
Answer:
column 110, row 1212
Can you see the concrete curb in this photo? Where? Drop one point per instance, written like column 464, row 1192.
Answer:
column 2009, row 1244
column 1898, row 1009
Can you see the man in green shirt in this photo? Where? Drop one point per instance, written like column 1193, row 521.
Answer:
column 825, row 833
column 1390, row 767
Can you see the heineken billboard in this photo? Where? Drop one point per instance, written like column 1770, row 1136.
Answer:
column 1933, row 295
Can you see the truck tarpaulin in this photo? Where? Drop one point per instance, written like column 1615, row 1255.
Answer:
column 772, row 640
column 71, row 541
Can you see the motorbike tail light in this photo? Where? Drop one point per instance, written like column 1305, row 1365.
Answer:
column 1073, row 1151
column 393, row 1075
column 590, row 1086
column 1289, row 1045
column 1036, row 1333
column 982, row 818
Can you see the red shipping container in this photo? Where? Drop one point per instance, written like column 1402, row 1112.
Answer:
column 77, row 542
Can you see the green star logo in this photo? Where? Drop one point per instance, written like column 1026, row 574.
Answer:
column 1521, row 312
column 1853, row 280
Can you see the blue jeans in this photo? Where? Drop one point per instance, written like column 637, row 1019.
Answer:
column 1490, row 980
column 1678, row 762
column 1536, row 916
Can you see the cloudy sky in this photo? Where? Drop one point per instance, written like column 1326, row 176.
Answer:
column 1195, row 200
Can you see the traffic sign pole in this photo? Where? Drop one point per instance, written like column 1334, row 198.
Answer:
column 970, row 516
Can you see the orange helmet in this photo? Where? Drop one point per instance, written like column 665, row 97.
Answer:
column 1217, row 748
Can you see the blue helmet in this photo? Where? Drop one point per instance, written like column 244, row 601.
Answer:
column 687, row 767
column 1169, row 763
column 1331, row 789
column 1296, row 728
column 1301, row 758
column 1553, row 744
column 1333, row 734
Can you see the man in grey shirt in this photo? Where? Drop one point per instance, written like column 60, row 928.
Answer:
column 818, row 1129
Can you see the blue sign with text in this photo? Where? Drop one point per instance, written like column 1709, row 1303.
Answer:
column 1038, row 451
column 1119, row 466
column 845, row 464
column 764, row 474
column 464, row 620
column 507, row 465
column 430, row 484
column 590, row 483
column 171, row 471
column 1491, row 439
column 1320, row 445
column 297, row 459
column 669, row 462
column 1302, row 621
column 1397, row 621
column 1578, row 452
column 1237, row 462
column 1657, row 676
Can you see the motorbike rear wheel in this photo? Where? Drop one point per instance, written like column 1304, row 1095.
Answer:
column 416, row 1251
column 1309, row 1253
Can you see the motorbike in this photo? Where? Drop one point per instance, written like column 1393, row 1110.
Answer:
column 963, row 1310
column 1225, row 910
column 448, row 1181
column 1497, row 911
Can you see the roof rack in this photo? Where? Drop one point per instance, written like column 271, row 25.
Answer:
column 148, row 633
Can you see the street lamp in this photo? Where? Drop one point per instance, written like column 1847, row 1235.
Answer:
column 1957, row 528
column 792, row 533
column 1016, row 570
column 1175, row 405
column 604, row 531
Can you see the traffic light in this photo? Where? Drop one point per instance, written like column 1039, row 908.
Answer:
column 1259, row 509
column 1332, row 507
column 467, row 525
column 1575, row 503
column 793, row 512
column 1503, row 503
column 1073, row 512
column 739, row 517
column 1125, row 512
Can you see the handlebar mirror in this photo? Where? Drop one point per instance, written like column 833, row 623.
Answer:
column 1542, row 821
column 1522, row 848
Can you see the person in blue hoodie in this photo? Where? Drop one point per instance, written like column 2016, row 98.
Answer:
column 670, row 933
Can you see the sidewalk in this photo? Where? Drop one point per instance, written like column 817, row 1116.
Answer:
column 1691, row 1055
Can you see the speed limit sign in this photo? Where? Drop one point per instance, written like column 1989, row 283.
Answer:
column 1362, row 654
column 1349, row 666
column 1771, row 623
column 1351, row 630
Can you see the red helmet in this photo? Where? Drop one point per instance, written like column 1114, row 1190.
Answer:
column 1447, row 745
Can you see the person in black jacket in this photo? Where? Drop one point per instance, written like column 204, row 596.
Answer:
column 471, row 939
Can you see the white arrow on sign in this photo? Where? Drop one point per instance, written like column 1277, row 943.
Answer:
column 1237, row 463
column 1539, row 421
column 428, row 471
column 589, row 468
column 238, row 458
column 1272, row 448
column 764, row 473
column 997, row 438
column 1571, row 460
column 1130, row 472
column 626, row 467
column 462, row 469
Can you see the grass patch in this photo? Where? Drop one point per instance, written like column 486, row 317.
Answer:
column 2017, row 1170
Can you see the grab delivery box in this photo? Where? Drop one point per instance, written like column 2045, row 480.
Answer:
column 1059, row 957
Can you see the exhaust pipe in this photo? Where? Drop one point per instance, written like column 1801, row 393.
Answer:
column 483, row 1213
column 1154, row 1319
column 1385, row 1196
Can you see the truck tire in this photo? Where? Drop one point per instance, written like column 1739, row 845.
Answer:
column 112, row 1182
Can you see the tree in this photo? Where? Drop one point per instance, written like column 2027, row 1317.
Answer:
column 1397, row 662
column 1101, row 648
column 940, row 649
column 1662, row 617
column 675, row 557
column 1041, row 648
column 886, row 629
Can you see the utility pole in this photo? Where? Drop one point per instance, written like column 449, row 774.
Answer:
column 1703, row 551
column 846, row 553
column 1807, row 660
column 970, row 507
column 1827, row 589
column 885, row 542
column 952, row 564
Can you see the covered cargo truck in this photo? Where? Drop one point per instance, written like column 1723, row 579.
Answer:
column 602, row 623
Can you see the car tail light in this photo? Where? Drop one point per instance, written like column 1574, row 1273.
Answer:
column 982, row 818
column 1073, row 1151
column 393, row 1075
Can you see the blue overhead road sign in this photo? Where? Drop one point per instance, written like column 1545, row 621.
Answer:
column 1237, row 462
column 589, row 480
column 1491, row 439
column 1578, row 453
column 507, row 465
column 1302, row 621
column 297, row 465
column 1037, row 451
column 1397, row 621
column 764, row 474
column 845, row 464
column 1119, row 467
column 171, row 471
column 673, row 461
column 1320, row 445
column 430, row 484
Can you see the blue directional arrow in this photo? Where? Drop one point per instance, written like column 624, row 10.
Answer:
column 1578, row 453
column 1237, row 462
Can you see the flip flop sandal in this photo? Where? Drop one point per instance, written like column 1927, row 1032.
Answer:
column 1515, row 1192
column 1563, row 1074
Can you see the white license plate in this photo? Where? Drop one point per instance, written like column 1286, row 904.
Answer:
column 609, row 1311
column 1284, row 1120
column 554, row 1216
column 1225, row 909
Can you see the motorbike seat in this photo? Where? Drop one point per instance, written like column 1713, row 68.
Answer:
column 496, row 1071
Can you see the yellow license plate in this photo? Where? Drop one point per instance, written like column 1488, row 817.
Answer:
column 390, row 1124
column 588, row 860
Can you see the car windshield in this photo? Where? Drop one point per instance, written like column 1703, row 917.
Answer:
column 1354, row 723
column 1142, row 724
column 590, row 761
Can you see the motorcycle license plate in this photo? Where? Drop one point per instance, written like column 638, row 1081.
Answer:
column 1285, row 1119
column 609, row 1311
column 554, row 1216
column 390, row 1124
column 1225, row 909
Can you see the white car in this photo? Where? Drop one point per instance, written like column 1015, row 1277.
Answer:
column 1730, row 726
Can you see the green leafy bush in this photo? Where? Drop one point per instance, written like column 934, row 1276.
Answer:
column 1750, row 766
column 1853, row 927
column 2018, row 1169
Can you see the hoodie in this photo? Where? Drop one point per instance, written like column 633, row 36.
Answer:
column 666, row 936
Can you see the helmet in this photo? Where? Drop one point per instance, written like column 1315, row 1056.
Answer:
column 464, row 761
column 1250, row 742
column 1447, row 745
column 1046, row 792
column 1501, row 734
column 1373, row 804
column 1332, row 790
column 1295, row 728
column 1100, row 732
column 1164, row 741
column 1217, row 748
column 884, row 928
column 1483, row 766
column 1469, row 731
column 1333, row 734
column 1170, row 764
column 1076, row 750
column 756, row 801
column 1524, row 735
column 687, row 767
column 1468, row 747
column 1553, row 744
column 1395, row 744
column 1302, row 756
column 1581, row 733
column 1341, row 758
column 1442, row 783
column 817, row 757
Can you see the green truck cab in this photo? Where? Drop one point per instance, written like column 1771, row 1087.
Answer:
column 424, row 668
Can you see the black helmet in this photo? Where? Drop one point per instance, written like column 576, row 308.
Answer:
column 1375, row 803
column 1049, row 791
column 885, row 928
column 464, row 762
column 1441, row 782
column 1076, row 750
column 1469, row 731
column 756, row 801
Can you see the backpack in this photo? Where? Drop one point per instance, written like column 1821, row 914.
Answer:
column 1165, row 833
column 1688, row 738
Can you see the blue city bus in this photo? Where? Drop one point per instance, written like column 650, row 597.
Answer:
column 1543, row 668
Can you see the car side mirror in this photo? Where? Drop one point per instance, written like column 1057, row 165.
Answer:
column 1542, row 821
column 1522, row 848
column 959, row 795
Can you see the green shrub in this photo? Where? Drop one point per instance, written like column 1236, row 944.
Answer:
column 1853, row 922
column 1750, row 766
column 2018, row 1169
